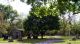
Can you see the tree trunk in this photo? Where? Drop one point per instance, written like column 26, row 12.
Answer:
column 29, row 37
column 41, row 36
column 35, row 37
column 42, row 33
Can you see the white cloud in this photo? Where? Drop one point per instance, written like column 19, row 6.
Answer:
column 5, row 2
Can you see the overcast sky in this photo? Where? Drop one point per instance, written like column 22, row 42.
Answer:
column 22, row 8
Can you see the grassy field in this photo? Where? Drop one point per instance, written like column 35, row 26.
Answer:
column 6, row 41
column 66, row 40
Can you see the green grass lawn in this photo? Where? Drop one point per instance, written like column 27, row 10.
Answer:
column 1, row 40
column 66, row 40
column 33, row 40
column 5, row 41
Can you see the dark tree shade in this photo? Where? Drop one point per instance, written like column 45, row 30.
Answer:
column 40, row 25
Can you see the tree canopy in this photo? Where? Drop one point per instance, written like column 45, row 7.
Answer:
column 42, row 19
column 8, row 13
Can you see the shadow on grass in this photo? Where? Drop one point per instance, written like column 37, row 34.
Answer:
column 45, row 40
column 55, row 40
column 33, row 40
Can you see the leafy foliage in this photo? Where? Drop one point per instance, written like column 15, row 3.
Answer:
column 76, row 28
column 57, row 8
column 8, row 11
column 41, row 20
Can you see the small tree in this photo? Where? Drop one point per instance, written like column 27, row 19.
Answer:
column 76, row 29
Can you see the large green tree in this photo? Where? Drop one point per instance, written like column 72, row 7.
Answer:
column 61, row 7
column 41, row 19
column 67, row 6
column 8, row 11
column 8, row 14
